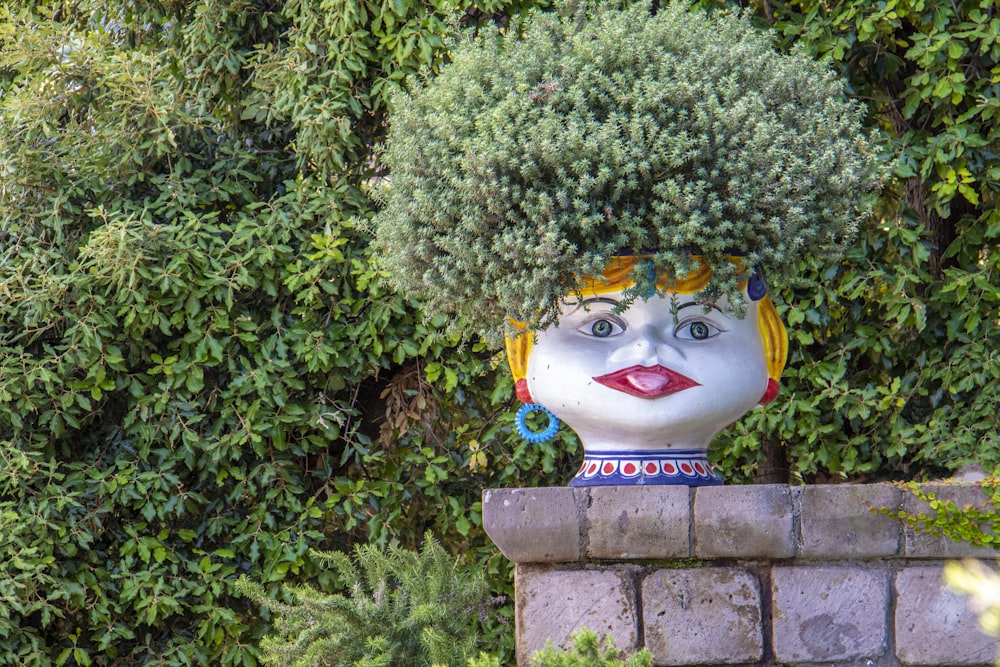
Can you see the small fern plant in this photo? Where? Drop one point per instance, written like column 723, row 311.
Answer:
column 401, row 608
column 588, row 651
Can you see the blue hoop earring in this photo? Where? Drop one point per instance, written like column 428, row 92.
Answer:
column 535, row 436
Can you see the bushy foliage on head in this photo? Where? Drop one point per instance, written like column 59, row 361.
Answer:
column 532, row 158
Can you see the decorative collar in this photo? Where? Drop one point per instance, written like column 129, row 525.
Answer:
column 688, row 467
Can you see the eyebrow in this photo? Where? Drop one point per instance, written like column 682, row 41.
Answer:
column 695, row 303
column 596, row 299
column 585, row 303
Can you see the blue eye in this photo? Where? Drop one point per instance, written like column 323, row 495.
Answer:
column 697, row 330
column 603, row 327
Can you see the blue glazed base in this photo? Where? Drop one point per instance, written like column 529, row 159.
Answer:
column 688, row 467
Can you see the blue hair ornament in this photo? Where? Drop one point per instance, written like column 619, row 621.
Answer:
column 535, row 436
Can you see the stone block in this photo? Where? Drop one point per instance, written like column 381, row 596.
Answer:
column 923, row 544
column 638, row 522
column 935, row 626
column 753, row 521
column 533, row 525
column 702, row 616
column 828, row 614
column 843, row 521
column 552, row 605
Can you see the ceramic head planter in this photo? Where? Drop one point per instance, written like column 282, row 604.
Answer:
column 644, row 151
column 648, row 387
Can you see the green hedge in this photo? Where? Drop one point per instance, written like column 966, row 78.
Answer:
column 201, row 373
column 894, row 365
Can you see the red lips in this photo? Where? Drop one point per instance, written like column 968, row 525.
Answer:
column 647, row 381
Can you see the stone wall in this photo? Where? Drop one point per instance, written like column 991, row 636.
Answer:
column 762, row 575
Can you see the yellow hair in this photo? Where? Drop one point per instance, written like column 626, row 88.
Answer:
column 617, row 276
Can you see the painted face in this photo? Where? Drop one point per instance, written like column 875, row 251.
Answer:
column 650, row 377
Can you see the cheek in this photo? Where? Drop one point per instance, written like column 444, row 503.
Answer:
column 736, row 365
column 741, row 385
column 557, row 371
column 732, row 376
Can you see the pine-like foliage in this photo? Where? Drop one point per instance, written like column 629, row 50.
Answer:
column 402, row 608
column 528, row 161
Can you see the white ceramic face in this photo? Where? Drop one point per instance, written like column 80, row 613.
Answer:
column 650, row 377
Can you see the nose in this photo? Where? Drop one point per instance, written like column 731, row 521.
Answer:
column 648, row 346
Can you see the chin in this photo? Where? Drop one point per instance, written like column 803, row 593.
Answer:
column 645, row 432
column 632, row 415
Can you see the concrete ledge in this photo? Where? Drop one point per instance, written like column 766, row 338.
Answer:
column 562, row 524
column 540, row 525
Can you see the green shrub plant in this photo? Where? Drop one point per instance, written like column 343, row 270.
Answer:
column 533, row 158
column 590, row 651
column 402, row 608
column 399, row 608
